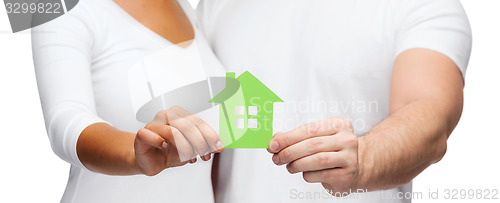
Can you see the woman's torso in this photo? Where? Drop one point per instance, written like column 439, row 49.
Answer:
column 124, row 55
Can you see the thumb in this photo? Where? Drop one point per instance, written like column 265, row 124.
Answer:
column 147, row 139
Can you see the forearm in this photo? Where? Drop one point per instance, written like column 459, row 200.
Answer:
column 403, row 145
column 105, row 149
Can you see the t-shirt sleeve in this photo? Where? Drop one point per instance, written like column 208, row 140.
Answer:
column 439, row 25
column 62, row 59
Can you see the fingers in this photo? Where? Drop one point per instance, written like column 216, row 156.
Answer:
column 203, row 138
column 317, row 176
column 209, row 134
column 160, row 118
column 162, row 130
column 150, row 138
column 338, row 179
column 306, row 148
column 184, row 147
column 192, row 134
column 319, row 161
column 319, row 128
column 175, row 137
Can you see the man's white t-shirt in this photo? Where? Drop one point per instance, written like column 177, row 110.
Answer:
column 94, row 64
column 323, row 58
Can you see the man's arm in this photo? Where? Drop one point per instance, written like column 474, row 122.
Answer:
column 426, row 104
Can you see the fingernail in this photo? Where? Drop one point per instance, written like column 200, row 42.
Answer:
column 274, row 145
column 204, row 157
column 164, row 145
column 276, row 159
column 289, row 168
column 219, row 145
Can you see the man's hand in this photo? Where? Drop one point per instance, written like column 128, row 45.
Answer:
column 325, row 151
column 425, row 106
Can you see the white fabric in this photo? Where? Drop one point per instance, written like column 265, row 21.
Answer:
column 324, row 58
column 93, row 65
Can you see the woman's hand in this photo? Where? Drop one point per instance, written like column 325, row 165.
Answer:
column 174, row 138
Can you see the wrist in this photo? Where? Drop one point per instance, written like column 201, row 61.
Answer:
column 132, row 161
column 364, row 165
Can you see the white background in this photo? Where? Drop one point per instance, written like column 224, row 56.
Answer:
column 30, row 172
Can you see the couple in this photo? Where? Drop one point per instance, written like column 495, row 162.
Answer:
column 373, row 90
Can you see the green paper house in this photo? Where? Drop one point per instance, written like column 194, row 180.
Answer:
column 245, row 112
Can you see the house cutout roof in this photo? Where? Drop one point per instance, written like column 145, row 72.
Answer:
column 252, row 87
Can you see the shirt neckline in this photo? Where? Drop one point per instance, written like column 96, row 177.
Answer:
column 142, row 28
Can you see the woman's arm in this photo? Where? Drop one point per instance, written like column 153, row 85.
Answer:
column 105, row 149
column 173, row 138
column 62, row 52
column 62, row 58
column 62, row 64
